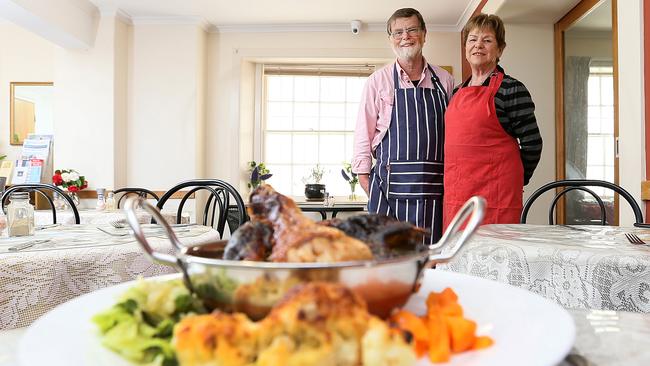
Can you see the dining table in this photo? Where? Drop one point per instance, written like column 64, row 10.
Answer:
column 92, row 216
column 332, row 207
column 64, row 261
column 578, row 267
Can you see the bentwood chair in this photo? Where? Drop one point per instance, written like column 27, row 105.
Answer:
column 223, row 206
column 41, row 189
column 581, row 185
column 142, row 192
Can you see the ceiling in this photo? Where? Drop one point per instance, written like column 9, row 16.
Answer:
column 598, row 19
column 439, row 14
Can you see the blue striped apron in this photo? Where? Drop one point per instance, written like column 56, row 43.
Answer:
column 407, row 179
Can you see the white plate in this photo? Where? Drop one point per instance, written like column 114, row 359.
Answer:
column 527, row 329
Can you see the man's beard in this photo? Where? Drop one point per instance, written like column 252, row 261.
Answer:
column 408, row 53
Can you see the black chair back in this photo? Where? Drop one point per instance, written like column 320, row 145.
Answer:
column 224, row 205
column 581, row 185
column 142, row 192
column 42, row 189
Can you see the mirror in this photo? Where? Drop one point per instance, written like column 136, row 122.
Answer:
column 31, row 110
column 590, row 128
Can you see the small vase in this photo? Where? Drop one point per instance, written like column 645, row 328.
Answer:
column 74, row 197
column 59, row 202
column 352, row 196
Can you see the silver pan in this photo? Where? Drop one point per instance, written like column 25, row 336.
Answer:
column 254, row 287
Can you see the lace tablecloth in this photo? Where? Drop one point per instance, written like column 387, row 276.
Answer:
column 66, row 217
column 67, row 261
column 579, row 267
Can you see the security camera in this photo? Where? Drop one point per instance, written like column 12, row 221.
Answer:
column 355, row 26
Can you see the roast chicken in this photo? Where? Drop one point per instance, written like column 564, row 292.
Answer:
column 280, row 232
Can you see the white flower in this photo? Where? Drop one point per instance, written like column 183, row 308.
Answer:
column 65, row 177
column 74, row 176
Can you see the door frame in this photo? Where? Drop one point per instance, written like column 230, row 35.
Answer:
column 574, row 15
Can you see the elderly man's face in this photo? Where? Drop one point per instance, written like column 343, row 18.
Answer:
column 407, row 37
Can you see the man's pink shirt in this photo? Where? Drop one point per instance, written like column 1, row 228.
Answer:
column 377, row 105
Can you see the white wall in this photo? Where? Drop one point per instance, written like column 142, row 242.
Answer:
column 85, row 108
column 599, row 46
column 532, row 64
column 230, row 62
column 165, row 117
column 24, row 57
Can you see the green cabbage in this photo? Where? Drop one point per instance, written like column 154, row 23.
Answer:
column 140, row 326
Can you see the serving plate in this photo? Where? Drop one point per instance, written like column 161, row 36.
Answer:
column 527, row 329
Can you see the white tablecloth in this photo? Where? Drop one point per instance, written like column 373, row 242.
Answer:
column 584, row 267
column 74, row 260
column 66, row 217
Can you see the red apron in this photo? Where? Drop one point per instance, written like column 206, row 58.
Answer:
column 480, row 157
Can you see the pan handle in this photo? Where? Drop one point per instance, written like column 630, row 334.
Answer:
column 130, row 206
column 475, row 207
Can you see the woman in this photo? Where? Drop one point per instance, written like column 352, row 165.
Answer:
column 492, row 142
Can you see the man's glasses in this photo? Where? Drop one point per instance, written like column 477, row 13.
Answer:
column 397, row 34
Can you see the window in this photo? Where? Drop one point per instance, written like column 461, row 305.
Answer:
column 309, row 115
column 600, row 129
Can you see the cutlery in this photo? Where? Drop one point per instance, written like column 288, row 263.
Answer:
column 119, row 224
column 26, row 245
column 43, row 227
column 155, row 231
column 634, row 239
column 574, row 228
column 110, row 233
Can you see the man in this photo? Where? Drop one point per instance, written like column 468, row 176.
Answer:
column 400, row 125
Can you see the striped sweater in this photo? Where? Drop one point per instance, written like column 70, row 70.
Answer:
column 516, row 113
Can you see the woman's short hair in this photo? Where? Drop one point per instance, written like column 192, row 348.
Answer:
column 405, row 13
column 485, row 21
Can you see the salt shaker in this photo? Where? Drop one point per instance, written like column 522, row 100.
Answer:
column 101, row 205
column 20, row 215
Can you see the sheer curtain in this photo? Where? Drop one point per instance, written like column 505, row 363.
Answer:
column 576, row 78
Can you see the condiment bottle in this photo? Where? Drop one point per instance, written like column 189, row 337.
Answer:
column 20, row 215
column 110, row 201
column 101, row 205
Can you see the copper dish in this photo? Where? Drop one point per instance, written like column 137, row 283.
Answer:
column 254, row 287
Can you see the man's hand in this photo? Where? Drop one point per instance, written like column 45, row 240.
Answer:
column 364, row 181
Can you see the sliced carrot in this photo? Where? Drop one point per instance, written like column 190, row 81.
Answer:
column 439, row 347
column 482, row 342
column 462, row 332
column 411, row 322
column 445, row 301
column 443, row 330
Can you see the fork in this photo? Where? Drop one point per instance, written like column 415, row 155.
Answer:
column 118, row 224
column 634, row 239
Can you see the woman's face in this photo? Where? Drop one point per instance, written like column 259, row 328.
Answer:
column 481, row 48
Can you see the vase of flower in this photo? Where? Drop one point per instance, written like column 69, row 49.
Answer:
column 351, row 178
column 314, row 189
column 258, row 173
column 71, row 181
